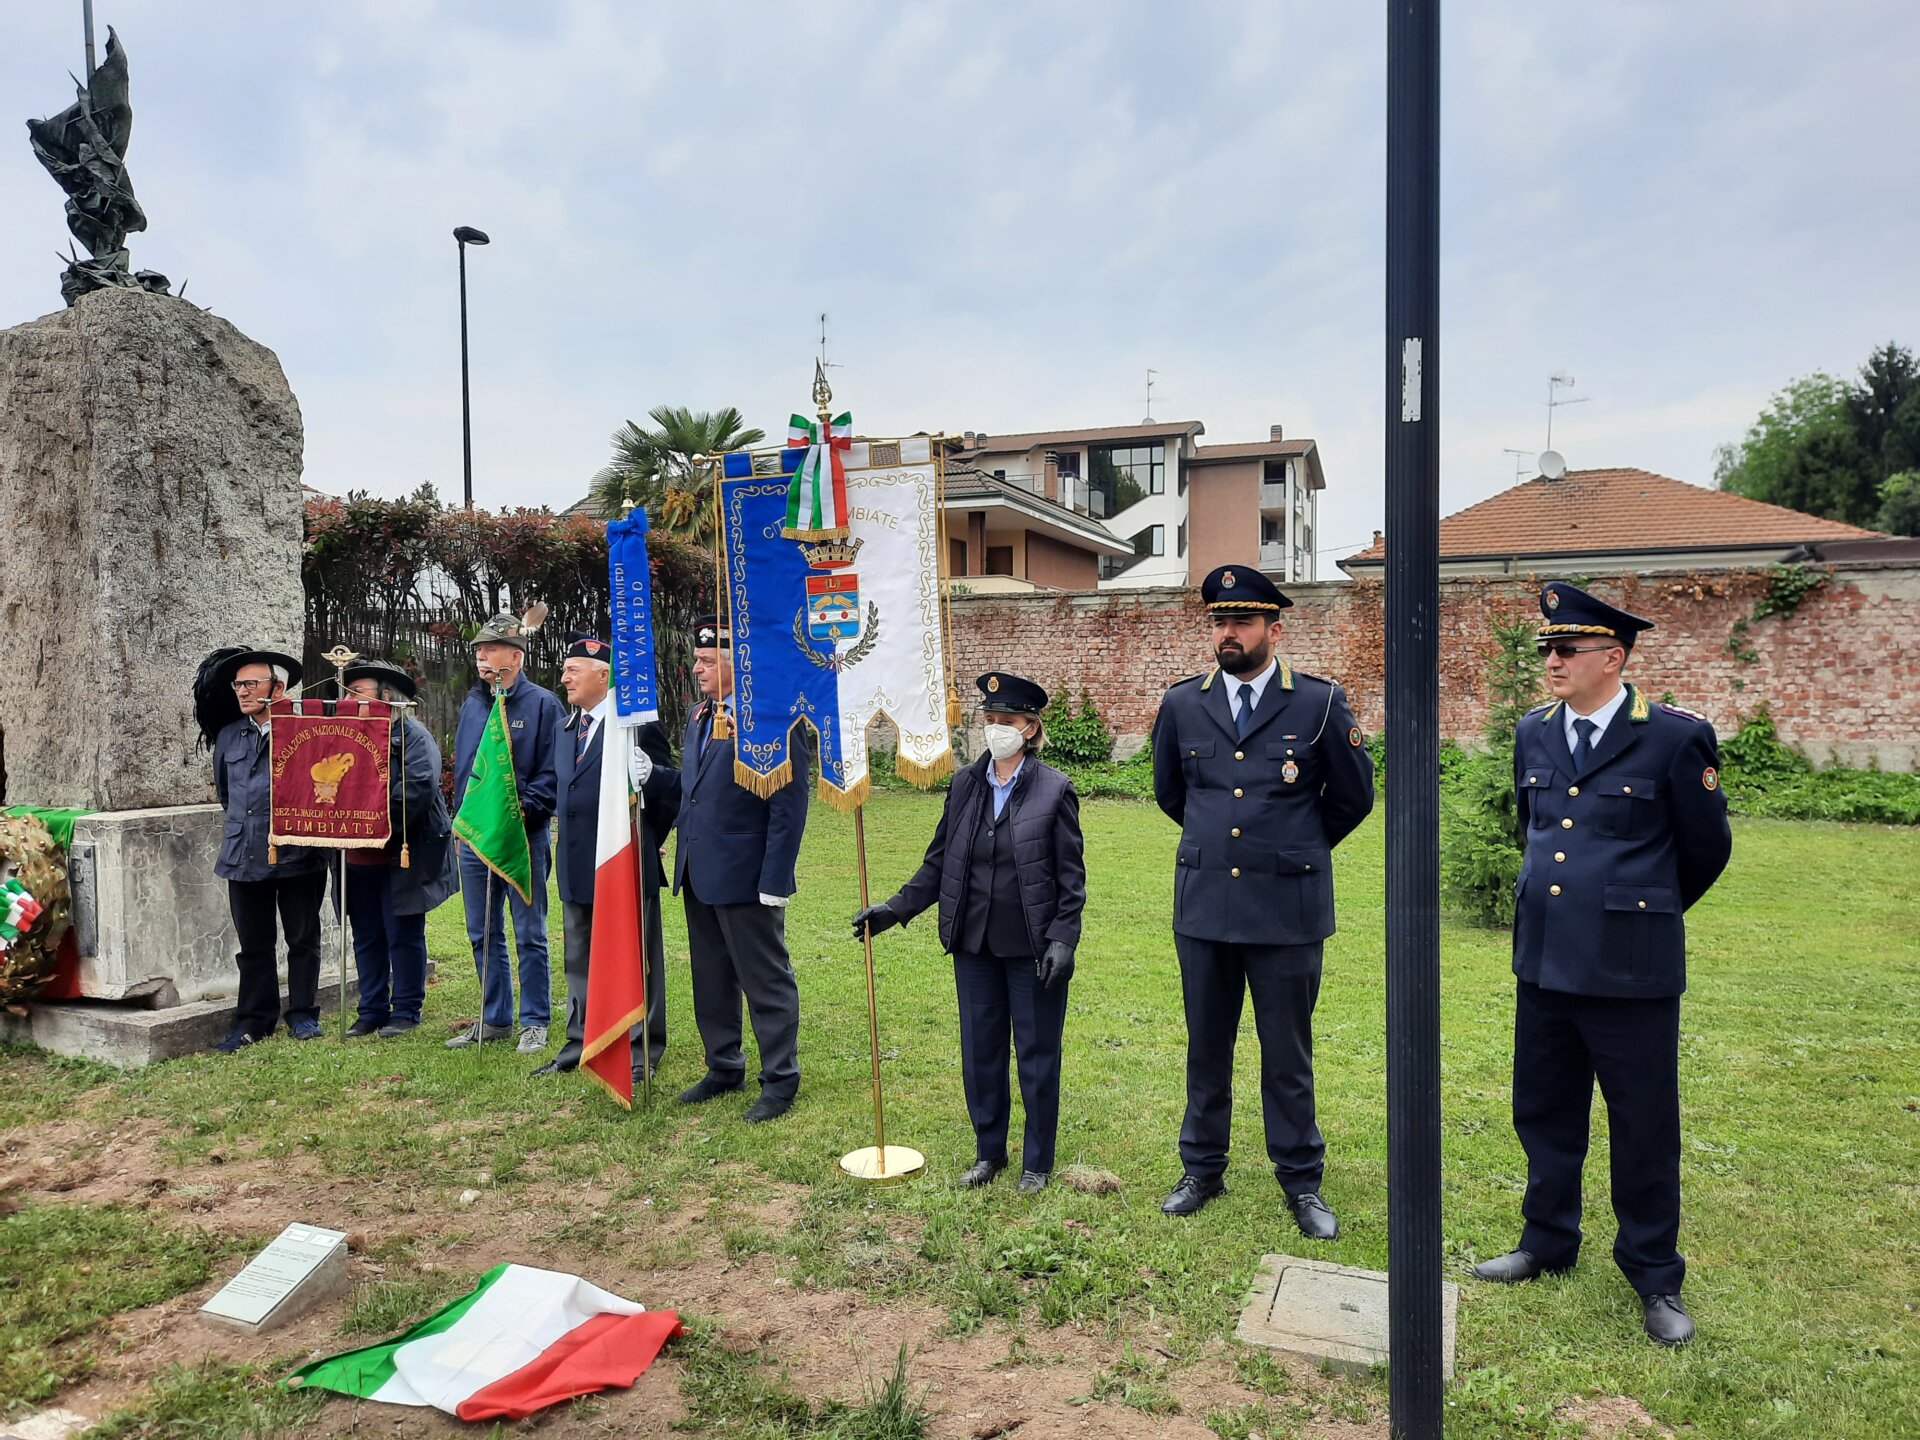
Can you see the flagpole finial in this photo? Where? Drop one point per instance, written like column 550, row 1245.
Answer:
column 822, row 392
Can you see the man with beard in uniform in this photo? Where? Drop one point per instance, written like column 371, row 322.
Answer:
column 1265, row 771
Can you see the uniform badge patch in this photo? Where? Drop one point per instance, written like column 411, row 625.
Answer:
column 1227, row 582
column 1354, row 738
column 993, row 683
column 1290, row 772
column 1553, row 599
column 1711, row 778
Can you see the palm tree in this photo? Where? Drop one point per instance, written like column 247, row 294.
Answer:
column 664, row 469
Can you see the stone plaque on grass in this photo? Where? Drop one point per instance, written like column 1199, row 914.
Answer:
column 302, row 1266
column 1335, row 1314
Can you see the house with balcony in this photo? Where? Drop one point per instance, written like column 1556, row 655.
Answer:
column 1176, row 507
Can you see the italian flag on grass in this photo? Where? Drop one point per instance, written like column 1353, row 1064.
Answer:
column 520, row 1340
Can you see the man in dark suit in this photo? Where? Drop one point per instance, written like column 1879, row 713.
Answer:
column 734, row 869
column 584, row 676
column 1264, row 770
column 1625, row 827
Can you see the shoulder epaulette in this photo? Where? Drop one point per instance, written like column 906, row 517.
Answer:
column 1682, row 710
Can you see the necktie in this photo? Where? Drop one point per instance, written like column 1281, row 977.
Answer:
column 580, row 745
column 1583, row 746
column 1244, row 720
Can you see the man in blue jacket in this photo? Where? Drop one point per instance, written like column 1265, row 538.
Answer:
column 585, row 676
column 1625, row 826
column 534, row 718
column 293, row 886
column 1264, row 770
column 734, row 870
column 387, row 901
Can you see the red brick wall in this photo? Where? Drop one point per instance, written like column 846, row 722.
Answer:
column 1841, row 674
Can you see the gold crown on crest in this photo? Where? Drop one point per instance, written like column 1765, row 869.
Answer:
column 831, row 554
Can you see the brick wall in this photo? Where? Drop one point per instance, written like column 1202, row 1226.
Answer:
column 1841, row 674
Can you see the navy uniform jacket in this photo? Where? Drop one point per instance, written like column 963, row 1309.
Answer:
column 1617, row 851
column 432, row 872
column 1049, row 856
column 534, row 719
column 240, row 783
column 1259, row 817
column 575, row 862
column 734, row 846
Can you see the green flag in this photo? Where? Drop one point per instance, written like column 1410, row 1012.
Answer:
column 490, row 818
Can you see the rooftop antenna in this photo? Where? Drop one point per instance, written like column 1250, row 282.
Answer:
column 1151, row 372
column 825, row 364
column 1555, row 383
column 1521, row 459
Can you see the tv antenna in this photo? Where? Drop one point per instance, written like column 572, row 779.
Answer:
column 825, row 364
column 1151, row 372
column 1555, row 383
column 1521, row 459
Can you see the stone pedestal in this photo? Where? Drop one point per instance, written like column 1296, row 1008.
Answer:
column 150, row 479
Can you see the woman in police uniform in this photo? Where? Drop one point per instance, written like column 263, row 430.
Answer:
column 1007, row 866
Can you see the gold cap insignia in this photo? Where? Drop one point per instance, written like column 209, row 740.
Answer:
column 1711, row 779
column 1227, row 581
column 993, row 684
column 1553, row 599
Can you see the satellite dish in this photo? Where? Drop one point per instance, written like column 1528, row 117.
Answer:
column 1552, row 464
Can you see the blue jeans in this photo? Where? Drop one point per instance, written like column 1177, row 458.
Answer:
column 390, row 950
column 482, row 890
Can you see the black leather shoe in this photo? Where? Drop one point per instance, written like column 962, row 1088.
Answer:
column 238, row 1040
column 364, row 1027
column 767, row 1107
column 397, row 1027
column 706, row 1087
column 1312, row 1215
column 1032, row 1182
column 981, row 1172
column 1667, row 1320
column 1191, row 1193
column 1513, row 1267
column 552, row 1067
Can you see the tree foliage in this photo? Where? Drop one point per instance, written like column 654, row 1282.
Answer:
column 1830, row 447
column 1481, row 847
column 665, row 469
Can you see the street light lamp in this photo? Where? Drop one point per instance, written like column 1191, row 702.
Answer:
column 466, row 235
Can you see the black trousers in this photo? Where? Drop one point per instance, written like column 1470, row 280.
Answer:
column 1285, row 983
column 253, row 904
column 1562, row 1044
column 1002, row 999
column 741, row 951
column 576, row 924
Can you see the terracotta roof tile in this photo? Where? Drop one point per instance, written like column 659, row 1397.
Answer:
column 1628, row 510
column 1250, row 450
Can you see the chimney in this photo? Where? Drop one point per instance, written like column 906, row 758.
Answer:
column 1050, row 477
column 1275, row 433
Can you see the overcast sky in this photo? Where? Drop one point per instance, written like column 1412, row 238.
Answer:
column 1009, row 211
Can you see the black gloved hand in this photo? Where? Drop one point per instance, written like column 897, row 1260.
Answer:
column 1056, row 966
column 873, row 920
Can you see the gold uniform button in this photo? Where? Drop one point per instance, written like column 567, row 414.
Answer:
column 1573, row 789
column 1566, row 824
column 1238, row 792
column 1643, row 904
column 1236, row 832
column 1559, row 855
column 1236, row 872
column 1553, row 890
column 1626, row 789
column 1239, row 754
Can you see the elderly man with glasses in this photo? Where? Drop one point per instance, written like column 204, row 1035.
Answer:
column 1625, row 827
column 293, row 884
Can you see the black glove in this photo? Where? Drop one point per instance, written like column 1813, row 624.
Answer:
column 874, row 919
column 1056, row 966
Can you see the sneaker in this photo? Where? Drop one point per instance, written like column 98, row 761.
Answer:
column 533, row 1039
column 238, row 1040
column 473, row 1035
column 399, row 1025
column 304, row 1029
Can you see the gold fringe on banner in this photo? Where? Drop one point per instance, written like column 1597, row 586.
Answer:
column 849, row 800
column 915, row 773
column 767, row 785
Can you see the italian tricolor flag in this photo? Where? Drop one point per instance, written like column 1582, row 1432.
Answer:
column 521, row 1340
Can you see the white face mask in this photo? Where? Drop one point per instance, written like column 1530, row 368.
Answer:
column 1005, row 741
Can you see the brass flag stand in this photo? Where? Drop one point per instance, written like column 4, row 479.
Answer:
column 878, row 1163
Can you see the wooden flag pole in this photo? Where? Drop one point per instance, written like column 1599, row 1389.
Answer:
column 877, row 1164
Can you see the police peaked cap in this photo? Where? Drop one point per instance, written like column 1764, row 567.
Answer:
column 1003, row 690
column 1572, row 612
column 384, row 671
column 230, row 667
column 503, row 629
column 584, row 646
column 1242, row 589
column 710, row 634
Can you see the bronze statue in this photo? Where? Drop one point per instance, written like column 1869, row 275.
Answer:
column 84, row 148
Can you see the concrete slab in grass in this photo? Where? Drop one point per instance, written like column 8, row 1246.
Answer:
column 1331, row 1313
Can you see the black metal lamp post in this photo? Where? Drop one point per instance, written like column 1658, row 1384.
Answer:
column 466, row 235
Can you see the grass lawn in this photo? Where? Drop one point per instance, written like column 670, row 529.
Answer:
column 1801, row 1074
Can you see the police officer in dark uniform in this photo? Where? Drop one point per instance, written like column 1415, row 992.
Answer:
column 733, row 866
column 1007, row 866
column 1619, row 801
column 585, row 676
column 1264, row 770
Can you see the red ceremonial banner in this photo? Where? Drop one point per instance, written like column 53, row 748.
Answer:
column 329, row 772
